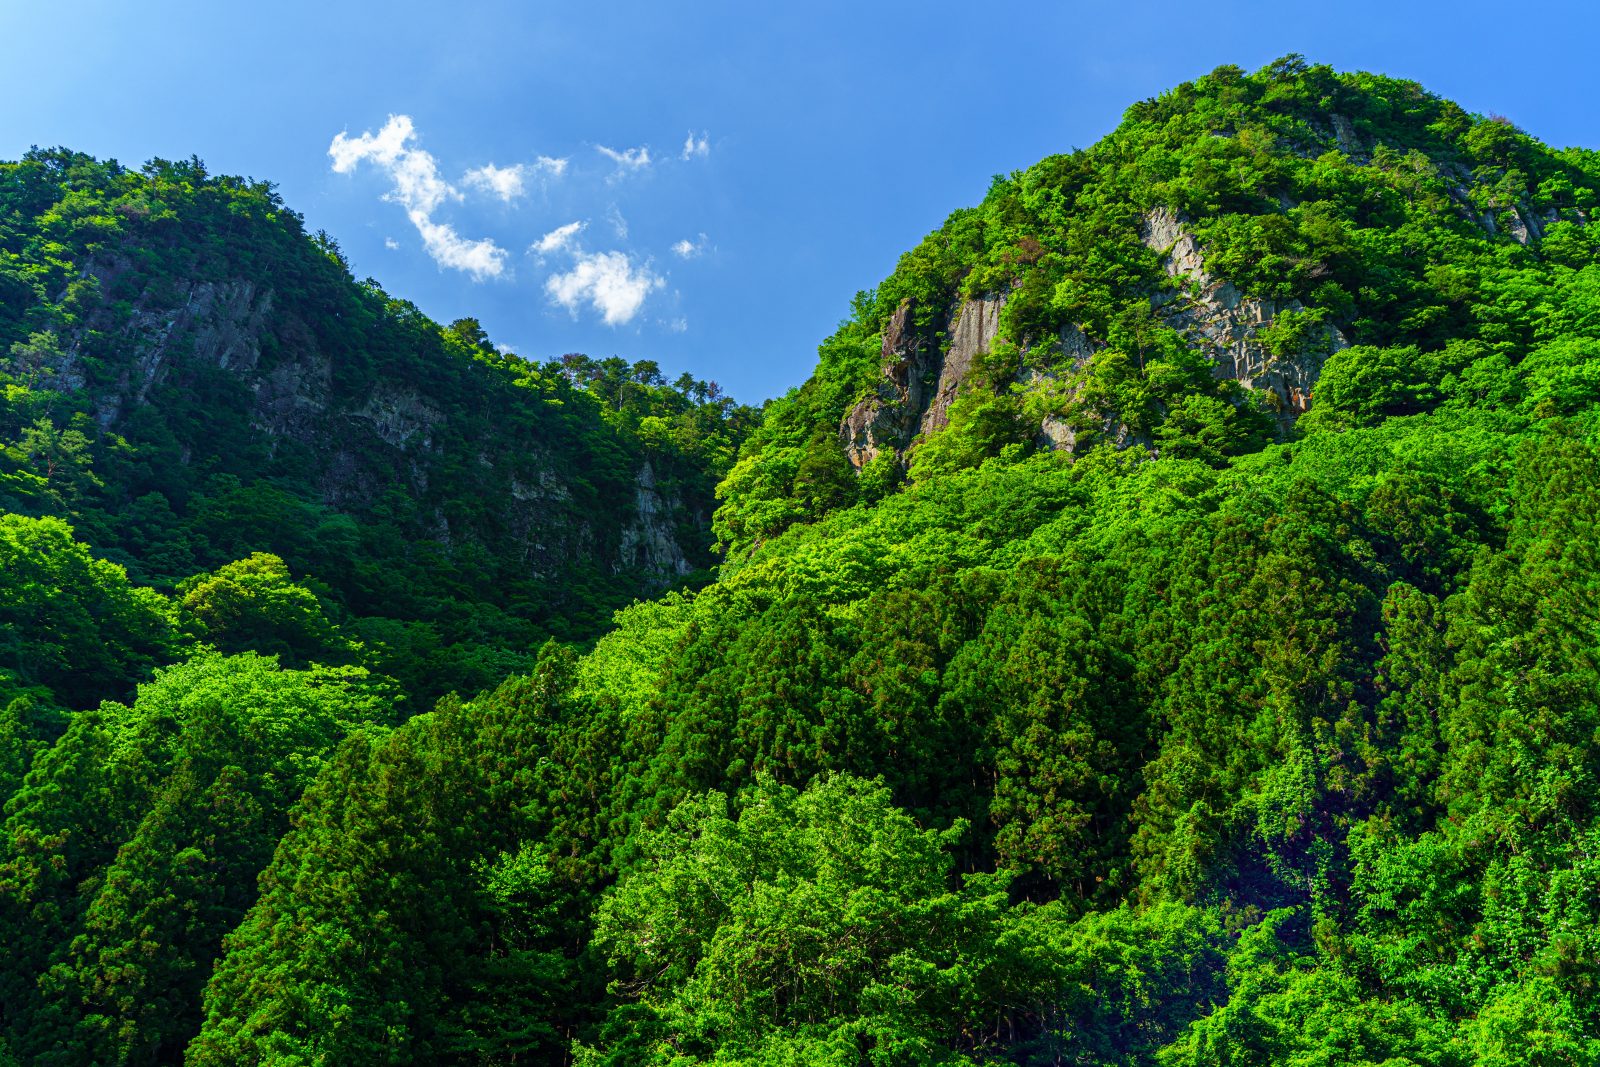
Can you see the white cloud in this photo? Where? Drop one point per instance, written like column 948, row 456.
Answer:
column 610, row 282
column 687, row 249
column 628, row 158
column 417, row 184
column 383, row 147
column 679, row 325
column 482, row 258
column 421, row 191
column 557, row 239
column 391, row 244
column 696, row 146
column 509, row 183
column 505, row 182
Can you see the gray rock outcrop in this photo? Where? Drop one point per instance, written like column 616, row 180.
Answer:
column 889, row 418
column 972, row 333
column 364, row 434
column 649, row 542
column 1219, row 320
column 923, row 372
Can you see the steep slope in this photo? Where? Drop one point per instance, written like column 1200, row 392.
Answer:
column 1177, row 288
column 1164, row 631
column 190, row 378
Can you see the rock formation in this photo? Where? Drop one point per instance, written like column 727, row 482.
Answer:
column 1223, row 323
column 363, row 434
column 922, row 374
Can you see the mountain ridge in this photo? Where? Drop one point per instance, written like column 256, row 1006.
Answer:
column 222, row 375
column 1080, row 265
column 1113, row 710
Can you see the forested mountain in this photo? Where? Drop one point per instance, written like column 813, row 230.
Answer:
column 189, row 379
column 1164, row 630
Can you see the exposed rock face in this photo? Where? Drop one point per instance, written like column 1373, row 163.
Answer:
column 1521, row 221
column 363, row 438
column 923, row 372
column 1224, row 323
column 648, row 542
column 1350, row 142
column 921, row 378
column 1066, row 354
column 1162, row 232
column 399, row 416
column 218, row 323
column 1056, row 434
column 976, row 324
column 888, row 420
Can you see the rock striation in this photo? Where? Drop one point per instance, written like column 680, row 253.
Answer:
column 923, row 372
column 1219, row 320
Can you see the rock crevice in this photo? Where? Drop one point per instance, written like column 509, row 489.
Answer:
column 923, row 373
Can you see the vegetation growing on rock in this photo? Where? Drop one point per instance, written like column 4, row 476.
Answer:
column 1123, row 711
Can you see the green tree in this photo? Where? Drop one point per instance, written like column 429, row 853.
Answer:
column 255, row 604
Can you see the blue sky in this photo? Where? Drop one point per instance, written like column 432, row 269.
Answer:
column 736, row 171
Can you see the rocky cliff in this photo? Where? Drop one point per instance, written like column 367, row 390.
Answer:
column 924, row 371
column 1217, row 319
column 366, row 440
column 174, row 344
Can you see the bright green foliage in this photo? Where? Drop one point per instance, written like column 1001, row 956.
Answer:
column 400, row 921
column 254, row 604
column 823, row 927
column 70, row 622
column 134, row 844
column 1225, row 738
column 1282, row 1008
column 1064, row 736
column 798, row 915
column 29, row 723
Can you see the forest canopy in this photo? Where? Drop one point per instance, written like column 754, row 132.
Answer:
column 1232, row 733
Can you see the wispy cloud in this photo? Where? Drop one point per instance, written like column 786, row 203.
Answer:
column 619, row 225
column 687, row 249
column 391, row 244
column 696, row 146
column 610, row 282
column 417, row 184
column 627, row 159
column 421, row 191
column 481, row 258
column 557, row 239
column 507, row 183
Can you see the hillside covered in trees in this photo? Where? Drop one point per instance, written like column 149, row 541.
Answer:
column 1164, row 630
column 190, row 380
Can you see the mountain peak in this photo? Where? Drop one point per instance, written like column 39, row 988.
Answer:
column 1178, row 287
